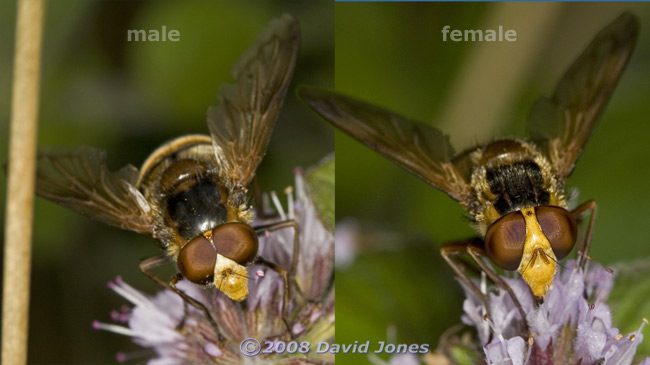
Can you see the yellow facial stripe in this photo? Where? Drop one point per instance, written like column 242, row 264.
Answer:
column 538, row 261
column 231, row 278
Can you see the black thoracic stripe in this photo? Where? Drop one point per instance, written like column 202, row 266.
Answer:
column 504, row 189
column 196, row 209
column 517, row 186
column 534, row 183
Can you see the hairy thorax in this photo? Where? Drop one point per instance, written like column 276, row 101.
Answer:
column 510, row 175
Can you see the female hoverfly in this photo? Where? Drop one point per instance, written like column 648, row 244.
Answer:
column 191, row 194
column 513, row 189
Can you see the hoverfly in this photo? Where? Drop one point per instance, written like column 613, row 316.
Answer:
column 512, row 189
column 191, row 194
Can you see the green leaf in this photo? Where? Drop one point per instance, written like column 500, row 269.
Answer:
column 320, row 180
column 629, row 299
column 463, row 356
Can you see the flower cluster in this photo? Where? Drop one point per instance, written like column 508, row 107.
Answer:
column 573, row 325
column 178, row 333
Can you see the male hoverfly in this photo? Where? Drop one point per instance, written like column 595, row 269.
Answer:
column 191, row 194
column 513, row 189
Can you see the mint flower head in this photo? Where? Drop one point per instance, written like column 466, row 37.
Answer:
column 573, row 324
column 176, row 333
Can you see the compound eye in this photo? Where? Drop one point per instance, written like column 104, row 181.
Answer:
column 505, row 239
column 559, row 228
column 236, row 241
column 197, row 259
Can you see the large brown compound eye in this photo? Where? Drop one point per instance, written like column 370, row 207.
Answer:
column 236, row 241
column 197, row 259
column 559, row 227
column 505, row 239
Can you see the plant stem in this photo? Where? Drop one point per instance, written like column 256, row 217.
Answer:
column 20, row 187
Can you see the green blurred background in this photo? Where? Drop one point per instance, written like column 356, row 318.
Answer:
column 392, row 54
column 127, row 98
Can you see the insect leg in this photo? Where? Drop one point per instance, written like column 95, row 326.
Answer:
column 153, row 262
column 576, row 213
column 474, row 251
column 454, row 249
column 172, row 283
column 475, row 247
column 285, row 298
column 290, row 223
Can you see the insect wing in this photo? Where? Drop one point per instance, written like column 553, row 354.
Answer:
column 564, row 122
column 242, row 123
column 417, row 147
column 79, row 179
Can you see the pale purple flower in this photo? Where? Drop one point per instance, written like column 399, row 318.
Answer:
column 573, row 324
column 154, row 321
column 404, row 359
column 347, row 238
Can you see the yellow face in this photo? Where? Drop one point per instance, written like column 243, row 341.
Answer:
column 538, row 262
column 231, row 278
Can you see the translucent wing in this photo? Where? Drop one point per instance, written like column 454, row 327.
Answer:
column 79, row 179
column 242, row 123
column 564, row 122
column 417, row 147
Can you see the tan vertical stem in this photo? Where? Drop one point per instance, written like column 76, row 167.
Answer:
column 20, row 187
